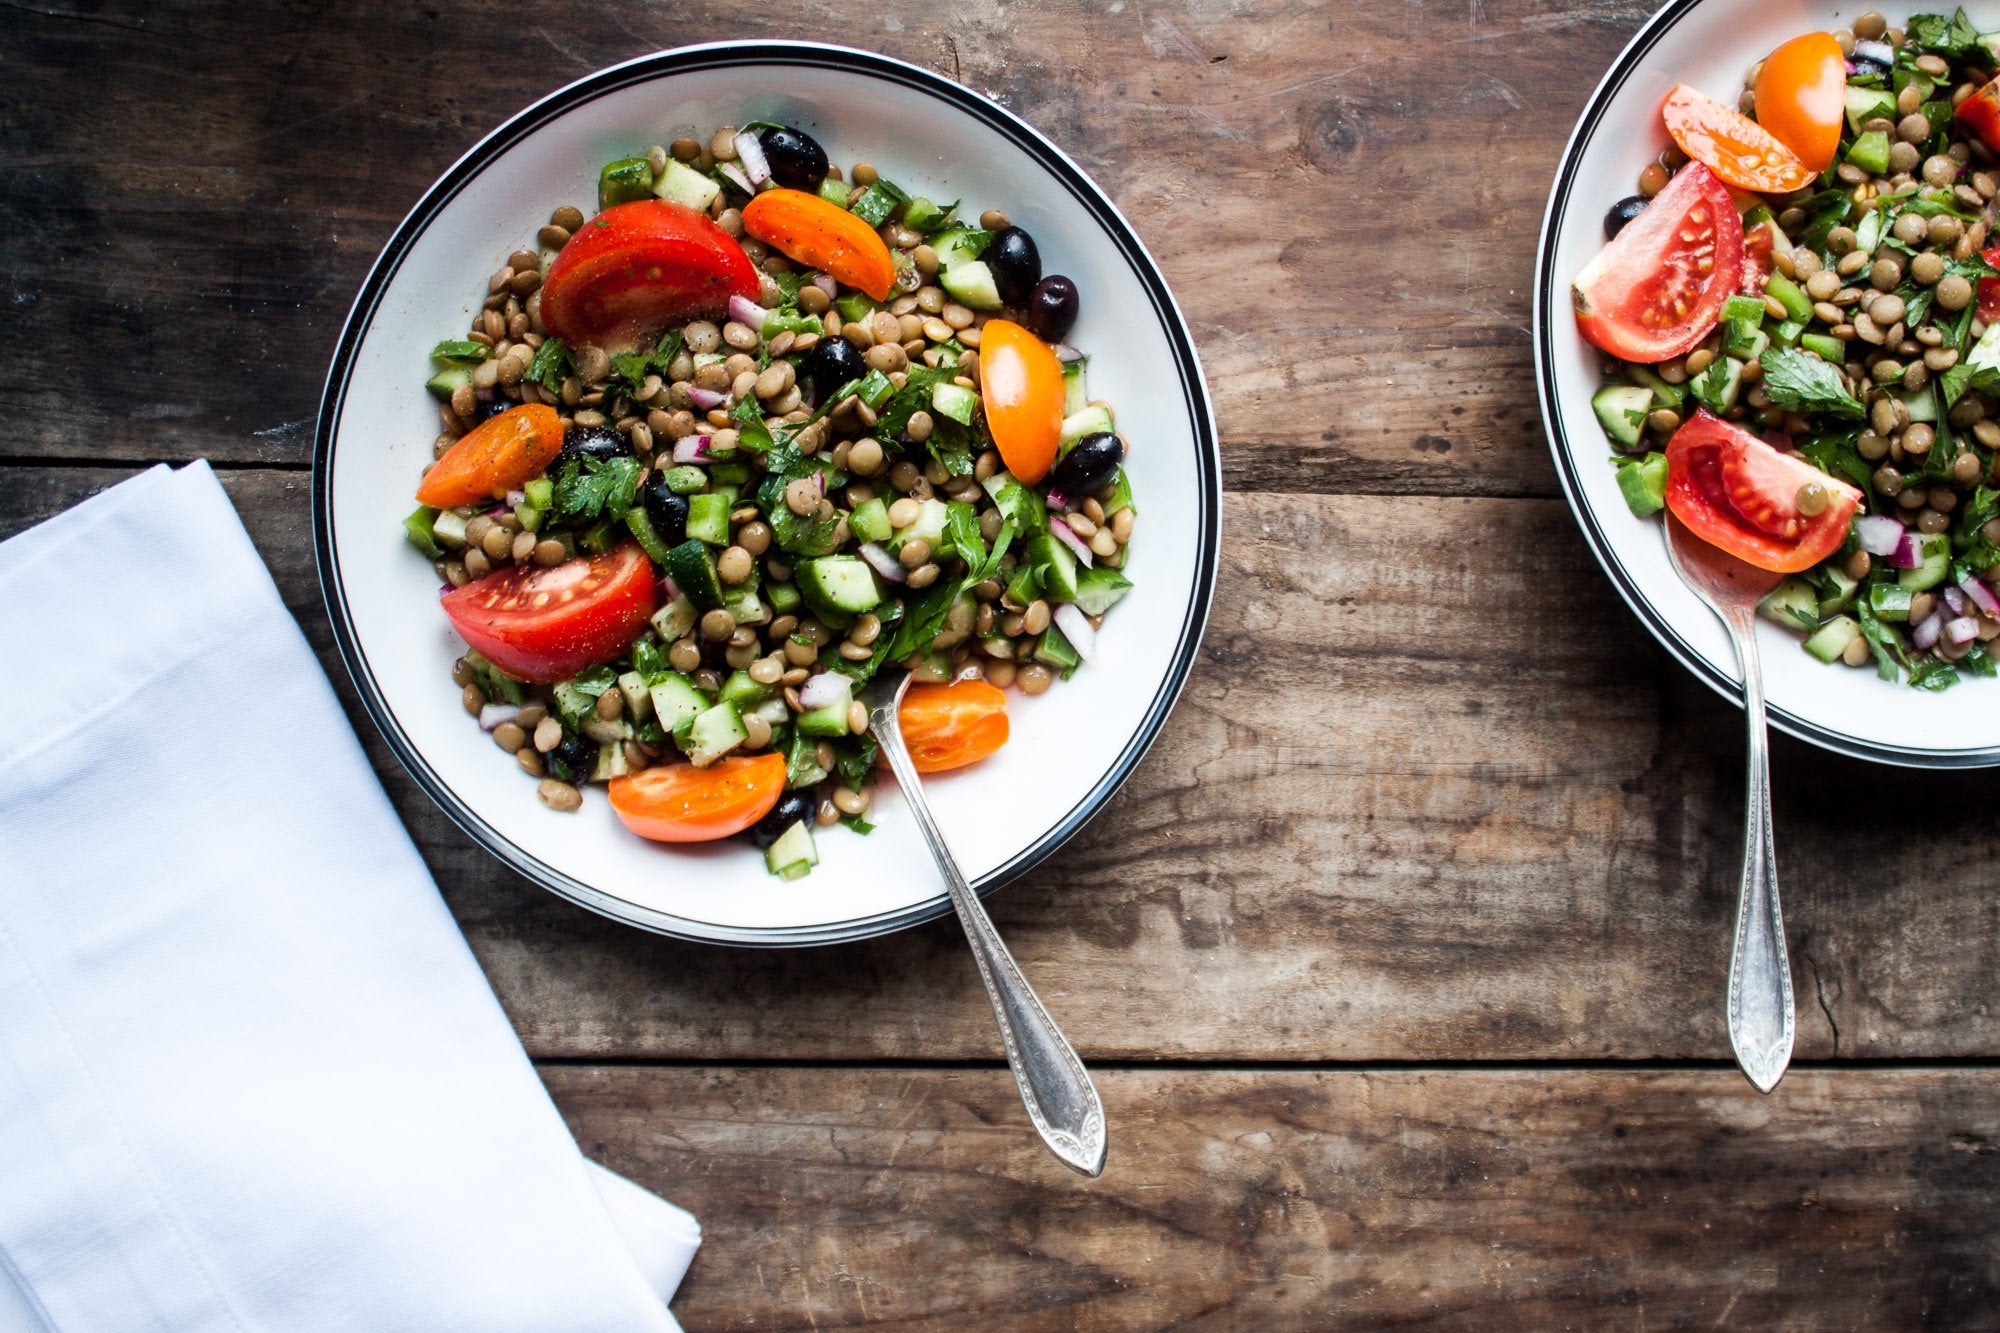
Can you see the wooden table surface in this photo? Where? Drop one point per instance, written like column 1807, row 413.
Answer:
column 1400, row 960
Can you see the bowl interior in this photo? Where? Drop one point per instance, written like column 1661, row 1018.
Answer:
column 1069, row 747
column 1710, row 44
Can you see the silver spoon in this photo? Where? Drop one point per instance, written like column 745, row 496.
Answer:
column 1761, row 1022
column 1054, row 1085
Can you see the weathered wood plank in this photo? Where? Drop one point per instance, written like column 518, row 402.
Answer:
column 1385, row 823
column 1345, row 200
column 1275, row 1201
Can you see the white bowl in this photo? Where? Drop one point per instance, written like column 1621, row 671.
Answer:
column 1710, row 44
column 1070, row 748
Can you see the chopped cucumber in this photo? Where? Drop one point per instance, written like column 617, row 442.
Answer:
column 541, row 493
column 529, row 517
column 854, row 306
column 1746, row 342
column 420, row 528
column 676, row 620
column 676, row 702
column 1621, row 409
column 638, row 701
column 1827, row 348
column 955, row 401
column 784, row 598
column 1046, row 552
column 1121, row 495
column 932, row 668
column 833, row 191
column 1094, row 419
column 682, row 184
column 793, row 854
column 921, row 214
column 1922, row 404
column 449, row 529
column 610, row 763
column 929, row 525
column 1870, row 152
column 960, row 245
column 642, row 529
column 1100, row 588
column 1798, row 306
column 773, row 710
column 870, row 521
column 1891, row 602
column 1748, row 308
column 742, row 692
column 1643, row 483
column 745, row 606
column 1840, row 595
column 1053, row 649
column 1665, row 394
column 1026, row 585
column 839, row 583
column 972, row 284
column 1017, row 502
column 1830, row 640
column 1793, row 604
column 714, row 734
column 1075, row 395
column 708, row 518
column 622, row 181
column 1866, row 104
column 449, row 380
column 692, row 569
column 1934, row 552
column 802, row 768
column 831, row 719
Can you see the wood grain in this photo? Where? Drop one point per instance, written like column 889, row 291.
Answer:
column 1385, row 823
column 1523, row 1200
column 1344, row 199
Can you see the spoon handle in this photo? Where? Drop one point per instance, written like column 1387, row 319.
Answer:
column 1761, row 1021
column 1055, row 1087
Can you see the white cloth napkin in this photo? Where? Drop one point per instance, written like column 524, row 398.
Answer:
column 250, row 1076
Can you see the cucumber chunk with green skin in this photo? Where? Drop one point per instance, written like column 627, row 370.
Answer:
column 833, row 191
column 1921, row 404
column 622, row 181
column 870, row 521
column 1057, row 564
column 1798, row 306
column 421, row 528
column 714, row 734
column 1742, row 341
column 708, row 518
column 449, row 529
column 839, row 583
column 1830, row 640
column 676, row 702
column 1866, row 104
column 793, row 854
column 1665, row 394
column 1053, row 649
column 676, row 620
column 1026, row 585
column 1742, row 307
column 1891, row 602
column 1793, row 604
column 1100, row 588
column 773, row 710
column 1075, row 395
column 743, row 692
column 959, row 245
column 802, row 762
column 649, row 541
column 971, row 284
column 929, row 525
column 855, row 306
column 610, row 763
column 1870, row 152
column 692, row 569
column 1643, row 483
column 831, row 718
column 1934, row 556
column 1621, row 409
column 1093, row 419
column 449, row 380
column 745, row 606
column 682, row 184
column 784, row 598
column 638, row 696
column 1839, row 594
column 955, row 401
column 1827, row 348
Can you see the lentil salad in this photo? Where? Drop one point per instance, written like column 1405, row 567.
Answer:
column 678, row 543
column 1799, row 309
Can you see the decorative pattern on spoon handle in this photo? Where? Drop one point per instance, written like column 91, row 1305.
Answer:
column 1762, row 1024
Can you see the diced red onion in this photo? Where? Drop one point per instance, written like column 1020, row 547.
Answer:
column 827, row 283
column 1907, row 554
column 1925, row 635
column 515, row 498
column 1880, row 535
column 1962, row 630
column 1981, row 596
column 1066, row 354
column 825, row 688
column 670, row 591
column 1075, row 627
column 751, row 153
column 746, row 311
column 492, row 715
column 734, row 175
column 1069, row 538
column 1956, row 600
column 882, row 562
column 691, row 449
column 1057, row 500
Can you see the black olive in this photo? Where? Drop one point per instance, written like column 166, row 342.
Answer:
column 1621, row 213
column 795, row 157
column 1087, row 467
column 829, row 365
column 581, row 442
column 576, row 758
column 1051, row 309
column 491, row 408
column 1016, row 264
column 1873, row 58
column 790, row 809
column 666, row 510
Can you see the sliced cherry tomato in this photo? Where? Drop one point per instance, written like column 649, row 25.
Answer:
column 494, row 457
column 682, row 803
column 634, row 269
column 1801, row 97
column 823, row 235
column 1738, row 493
column 1650, row 294
column 1735, row 147
column 1989, row 290
column 1980, row 113
column 1021, row 390
column 1759, row 244
column 549, row 624
column 950, row 726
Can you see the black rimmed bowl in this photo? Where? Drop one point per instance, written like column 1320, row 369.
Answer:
column 1710, row 44
column 1070, row 749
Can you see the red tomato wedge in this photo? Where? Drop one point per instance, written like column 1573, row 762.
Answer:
column 1801, row 97
column 825, row 236
column 494, row 457
column 1021, row 391
column 682, row 803
column 1738, row 493
column 1980, row 113
column 634, row 269
column 1759, row 244
column 548, row 624
column 1656, row 289
column 950, row 726
column 1989, row 290
column 1732, row 145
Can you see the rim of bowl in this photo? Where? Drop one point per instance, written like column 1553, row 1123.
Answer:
column 723, row 55
column 1601, row 545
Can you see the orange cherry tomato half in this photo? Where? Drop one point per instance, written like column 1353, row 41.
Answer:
column 547, row 624
column 1738, row 493
column 1801, row 97
column 950, row 726
column 1021, row 390
column 1980, row 113
column 494, row 457
column 1732, row 145
column 636, row 268
column 822, row 235
column 682, row 803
